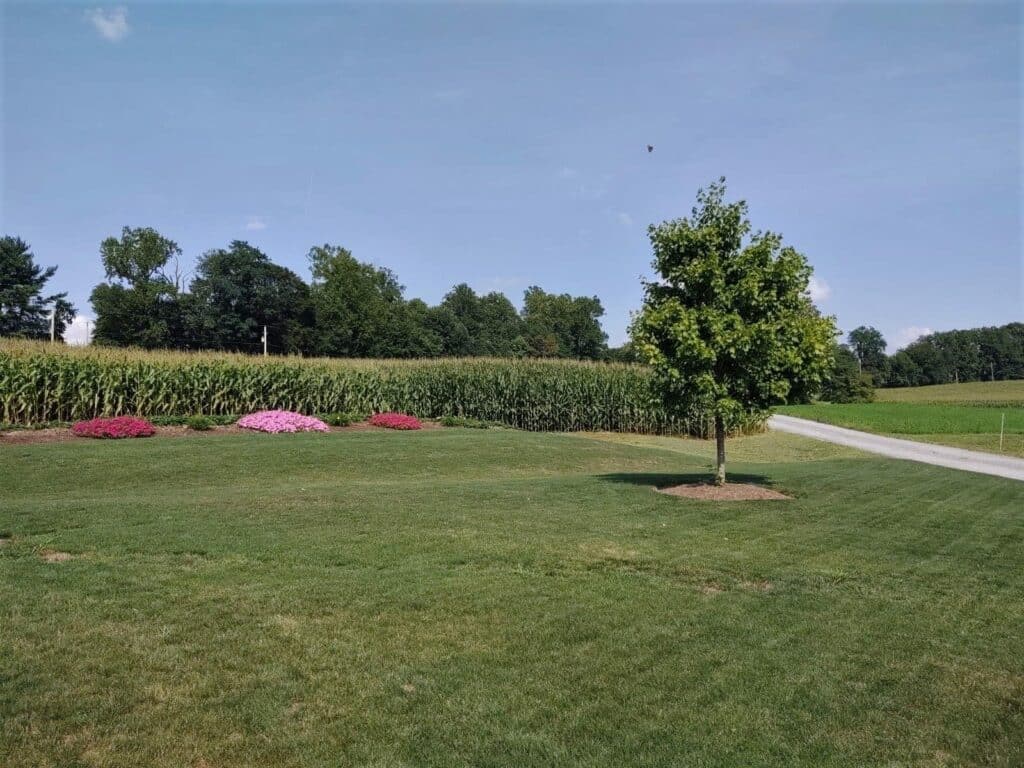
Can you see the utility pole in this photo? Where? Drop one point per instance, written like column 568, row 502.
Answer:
column 264, row 341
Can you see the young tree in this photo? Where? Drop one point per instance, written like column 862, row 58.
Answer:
column 24, row 310
column 729, row 327
column 137, row 305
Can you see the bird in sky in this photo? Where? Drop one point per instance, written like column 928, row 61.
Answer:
column 650, row 148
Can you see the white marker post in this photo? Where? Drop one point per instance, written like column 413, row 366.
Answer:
column 264, row 341
column 53, row 326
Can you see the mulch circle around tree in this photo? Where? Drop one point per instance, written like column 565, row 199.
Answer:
column 727, row 492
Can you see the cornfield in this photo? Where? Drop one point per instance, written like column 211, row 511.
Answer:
column 44, row 383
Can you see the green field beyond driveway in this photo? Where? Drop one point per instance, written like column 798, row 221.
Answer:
column 963, row 426
column 1004, row 393
column 501, row 598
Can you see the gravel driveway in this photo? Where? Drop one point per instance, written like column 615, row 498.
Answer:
column 939, row 455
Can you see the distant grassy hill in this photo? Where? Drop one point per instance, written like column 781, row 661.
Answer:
column 989, row 393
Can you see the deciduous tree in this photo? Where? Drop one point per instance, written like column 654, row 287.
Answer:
column 729, row 326
column 868, row 347
column 237, row 291
column 137, row 306
column 563, row 325
column 359, row 308
column 490, row 324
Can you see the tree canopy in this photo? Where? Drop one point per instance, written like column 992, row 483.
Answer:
column 359, row 308
column 349, row 309
column 354, row 308
column 729, row 326
column 236, row 292
column 845, row 382
column 25, row 309
column 975, row 354
column 137, row 305
column 484, row 325
column 560, row 325
column 868, row 347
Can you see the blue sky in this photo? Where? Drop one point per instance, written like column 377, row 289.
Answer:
column 505, row 145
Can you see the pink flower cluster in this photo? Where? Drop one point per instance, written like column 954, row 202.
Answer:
column 282, row 421
column 395, row 421
column 113, row 428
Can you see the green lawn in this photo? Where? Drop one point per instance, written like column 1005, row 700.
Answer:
column 500, row 598
column 964, row 426
column 981, row 392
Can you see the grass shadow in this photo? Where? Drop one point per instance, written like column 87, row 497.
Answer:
column 668, row 479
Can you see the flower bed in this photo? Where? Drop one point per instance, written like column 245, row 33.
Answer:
column 114, row 428
column 281, row 421
column 395, row 421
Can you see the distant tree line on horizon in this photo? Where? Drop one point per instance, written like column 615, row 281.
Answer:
column 992, row 353
column 354, row 309
column 348, row 309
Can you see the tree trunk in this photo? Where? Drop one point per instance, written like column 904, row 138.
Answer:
column 720, row 443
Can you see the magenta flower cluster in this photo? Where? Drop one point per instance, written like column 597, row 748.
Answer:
column 395, row 421
column 281, row 421
column 114, row 428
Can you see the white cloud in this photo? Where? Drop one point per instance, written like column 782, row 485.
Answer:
column 818, row 289
column 624, row 219
column 79, row 331
column 911, row 333
column 255, row 224
column 111, row 24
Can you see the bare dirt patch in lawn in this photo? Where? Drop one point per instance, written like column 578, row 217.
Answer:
column 727, row 492
column 63, row 434
column 55, row 556
column 23, row 436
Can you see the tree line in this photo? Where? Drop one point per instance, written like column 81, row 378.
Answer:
column 347, row 309
column 355, row 309
column 976, row 354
